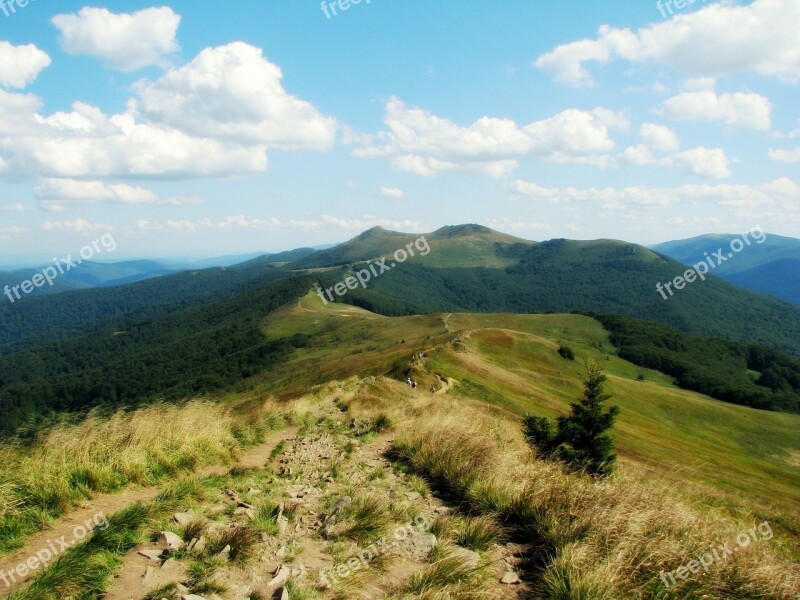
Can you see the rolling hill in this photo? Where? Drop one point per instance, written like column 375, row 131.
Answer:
column 554, row 276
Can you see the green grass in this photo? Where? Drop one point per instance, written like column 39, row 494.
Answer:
column 512, row 363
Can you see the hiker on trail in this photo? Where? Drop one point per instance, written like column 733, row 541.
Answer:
column 408, row 380
column 414, row 383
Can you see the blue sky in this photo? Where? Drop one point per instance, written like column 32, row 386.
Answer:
column 221, row 128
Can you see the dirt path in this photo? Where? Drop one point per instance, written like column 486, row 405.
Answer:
column 315, row 479
column 92, row 512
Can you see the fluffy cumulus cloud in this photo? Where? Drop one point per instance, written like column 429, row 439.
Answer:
column 394, row 193
column 426, row 144
column 787, row 156
column 217, row 116
column 125, row 42
column 658, row 137
column 21, row 65
column 718, row 40
column 705, row 162
column 58, row 195
column 751, row 111
column 234, row 93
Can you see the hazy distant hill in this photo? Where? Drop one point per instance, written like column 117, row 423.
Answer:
column 771, row 267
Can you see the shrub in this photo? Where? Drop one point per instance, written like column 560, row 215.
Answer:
column 566, row 352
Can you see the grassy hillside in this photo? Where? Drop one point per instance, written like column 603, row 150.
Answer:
column 458, row 246
column 693, row 472
column 600, row 276
column 510, row 362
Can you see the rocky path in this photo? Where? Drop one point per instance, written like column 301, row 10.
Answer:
column 330, row 516
column 91, row 514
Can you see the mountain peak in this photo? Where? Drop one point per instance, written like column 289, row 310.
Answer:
column 453, row 231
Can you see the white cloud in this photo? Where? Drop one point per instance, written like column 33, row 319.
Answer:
column 705, row 162
column 126, row 41
column 518, row 225
column 243, row 222
column 638, row 155
column 59, row 195
column 658, row 137
column 776, row 200
column 718, row 40
column 395, row 193
column 751, row 111
column 232, row 92
column 182, row 226
column 93, row 191
column 787, row 156
column 15, row 207
column 21, row 65
column 423, row 143
column 77, row 225
column 217, row 132
column 8, row 233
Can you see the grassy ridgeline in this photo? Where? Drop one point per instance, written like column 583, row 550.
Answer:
column 69, row 463
column 599, row 540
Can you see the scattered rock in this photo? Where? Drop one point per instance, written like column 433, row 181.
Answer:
column 421, row 544
column 281, row 576
column 469, row 558
column 248, row 512
column 154, row 555
column 510, row 578
column 226, row 553
column 282, row 594
column 191, row 597
column 283, row 523
column 183, row 518
column 341, row 504
column 200, row 546
column 171, row 541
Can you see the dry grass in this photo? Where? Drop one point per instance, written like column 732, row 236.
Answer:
column 606, row 539
column 70, row 462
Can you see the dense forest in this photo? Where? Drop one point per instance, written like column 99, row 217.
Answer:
column 185, row 353
column 44, row 319
column 746, row 374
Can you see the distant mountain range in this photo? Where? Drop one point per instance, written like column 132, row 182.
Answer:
column 770, row 267
column 195, row 331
